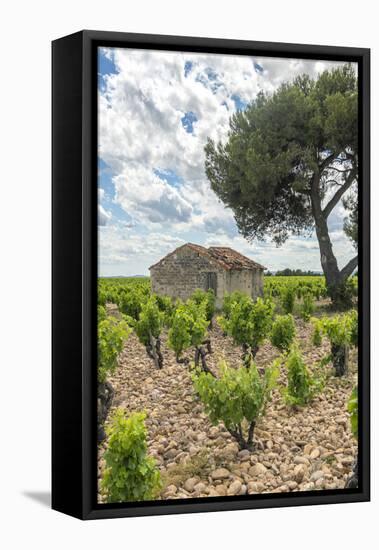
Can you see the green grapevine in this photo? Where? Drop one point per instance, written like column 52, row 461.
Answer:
column 283, row 332
column 148, row 329
column 237, row 396
column 130, row 474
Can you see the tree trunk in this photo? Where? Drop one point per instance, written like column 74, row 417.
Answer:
column 327, row 257
column 334, row 277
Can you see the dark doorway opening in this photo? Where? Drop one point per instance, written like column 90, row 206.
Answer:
column 211, row 282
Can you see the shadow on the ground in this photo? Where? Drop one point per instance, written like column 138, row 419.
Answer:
column 42, row 497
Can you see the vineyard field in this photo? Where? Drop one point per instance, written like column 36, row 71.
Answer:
column 299, row 443
column 272, row 285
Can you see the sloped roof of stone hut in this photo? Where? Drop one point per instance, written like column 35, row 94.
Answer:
column 224, row 256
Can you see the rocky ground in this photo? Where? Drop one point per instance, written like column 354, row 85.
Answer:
column 309, row 448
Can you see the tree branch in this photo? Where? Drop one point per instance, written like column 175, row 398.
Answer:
column 335, row 182
column 327, row 161
column 336, row 197
column 349, row 268
column 349, row 156
column 338, row 169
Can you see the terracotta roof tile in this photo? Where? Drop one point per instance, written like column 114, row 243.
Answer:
column 232, row 258
column 226, row 257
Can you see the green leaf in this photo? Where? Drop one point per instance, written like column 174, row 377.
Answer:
column 130, row 474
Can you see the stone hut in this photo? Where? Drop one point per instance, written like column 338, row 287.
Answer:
column 220, row 268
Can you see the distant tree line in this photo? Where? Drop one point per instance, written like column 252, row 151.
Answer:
column 287, row 272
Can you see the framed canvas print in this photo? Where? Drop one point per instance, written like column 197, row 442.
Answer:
column 210, row 275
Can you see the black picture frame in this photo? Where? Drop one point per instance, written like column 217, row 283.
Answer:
column 74, row 273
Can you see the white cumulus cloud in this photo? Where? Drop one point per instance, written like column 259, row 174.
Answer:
column 157, row 164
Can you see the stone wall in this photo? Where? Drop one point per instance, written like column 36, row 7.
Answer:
column 257, row 283
column 181, row 273
column 247, row 281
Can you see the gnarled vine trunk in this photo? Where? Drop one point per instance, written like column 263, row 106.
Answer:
column 182, row 360
column 243, row 442
column 248, row 354
column 340, row 359
column 105, row 394
column 200, row 355
column 153, row 349
column 353, row 480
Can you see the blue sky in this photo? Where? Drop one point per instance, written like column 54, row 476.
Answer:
column 156, row 110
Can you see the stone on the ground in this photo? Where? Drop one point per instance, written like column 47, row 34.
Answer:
column 234, row 487
column 220, row 473
column 190, row 483
column 257, row 469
